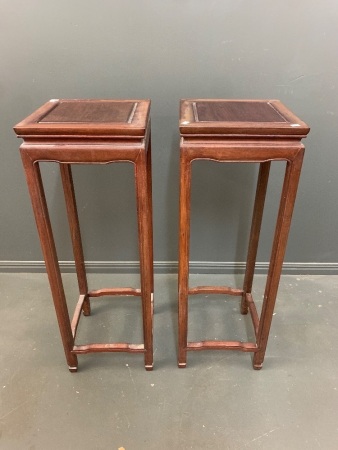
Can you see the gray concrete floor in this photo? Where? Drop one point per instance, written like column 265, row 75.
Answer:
column 217, row 402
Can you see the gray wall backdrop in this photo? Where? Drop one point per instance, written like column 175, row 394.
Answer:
column 166, row 50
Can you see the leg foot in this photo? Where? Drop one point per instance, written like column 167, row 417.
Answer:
column 244, row 310
column 149, row 368
column 86, row 307
column 257, row 366
column 182, row 365
column 244, row 305
column 72, row 369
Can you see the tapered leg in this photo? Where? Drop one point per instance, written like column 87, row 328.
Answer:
column 286, row 206
column 150, row 218
column 146, row 269
column 73, row 219
column 40, row 209
column 262, row 183
column 183, row 268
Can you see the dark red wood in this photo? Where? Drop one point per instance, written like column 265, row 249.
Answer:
column 262, row 185
column 40, row 209
column 73, row 118
column 183, row 260
column 77, row 314
column 118, row 291
column 253, row 313
column 145, row 248
column 288, row 197
column 215, row 290
column 104, row 348
column 74, row 225
column 222, row 345
column 241, row 118
column 257, row 131
column 91, row 132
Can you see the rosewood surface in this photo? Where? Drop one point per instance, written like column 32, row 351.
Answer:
column 257, row 131
column 91, row 132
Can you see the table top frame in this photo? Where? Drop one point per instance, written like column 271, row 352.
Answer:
column 264, row 118
column 96, row 123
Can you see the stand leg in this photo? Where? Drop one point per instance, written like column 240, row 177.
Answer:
column 289, row 191
column 145, row 246
column 150, row 228
column 262, row 183
column 183, row 270
column 73, row 219
column 40, row 209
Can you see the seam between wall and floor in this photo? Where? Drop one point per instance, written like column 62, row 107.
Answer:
column 163, row 267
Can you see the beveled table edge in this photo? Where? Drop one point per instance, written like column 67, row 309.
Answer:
column 30, row 126
column 188, row 126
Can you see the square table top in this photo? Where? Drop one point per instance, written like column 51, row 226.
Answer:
column 87, row 118
column 239, row 117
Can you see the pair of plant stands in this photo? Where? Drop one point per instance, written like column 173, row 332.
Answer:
column 106, row 131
